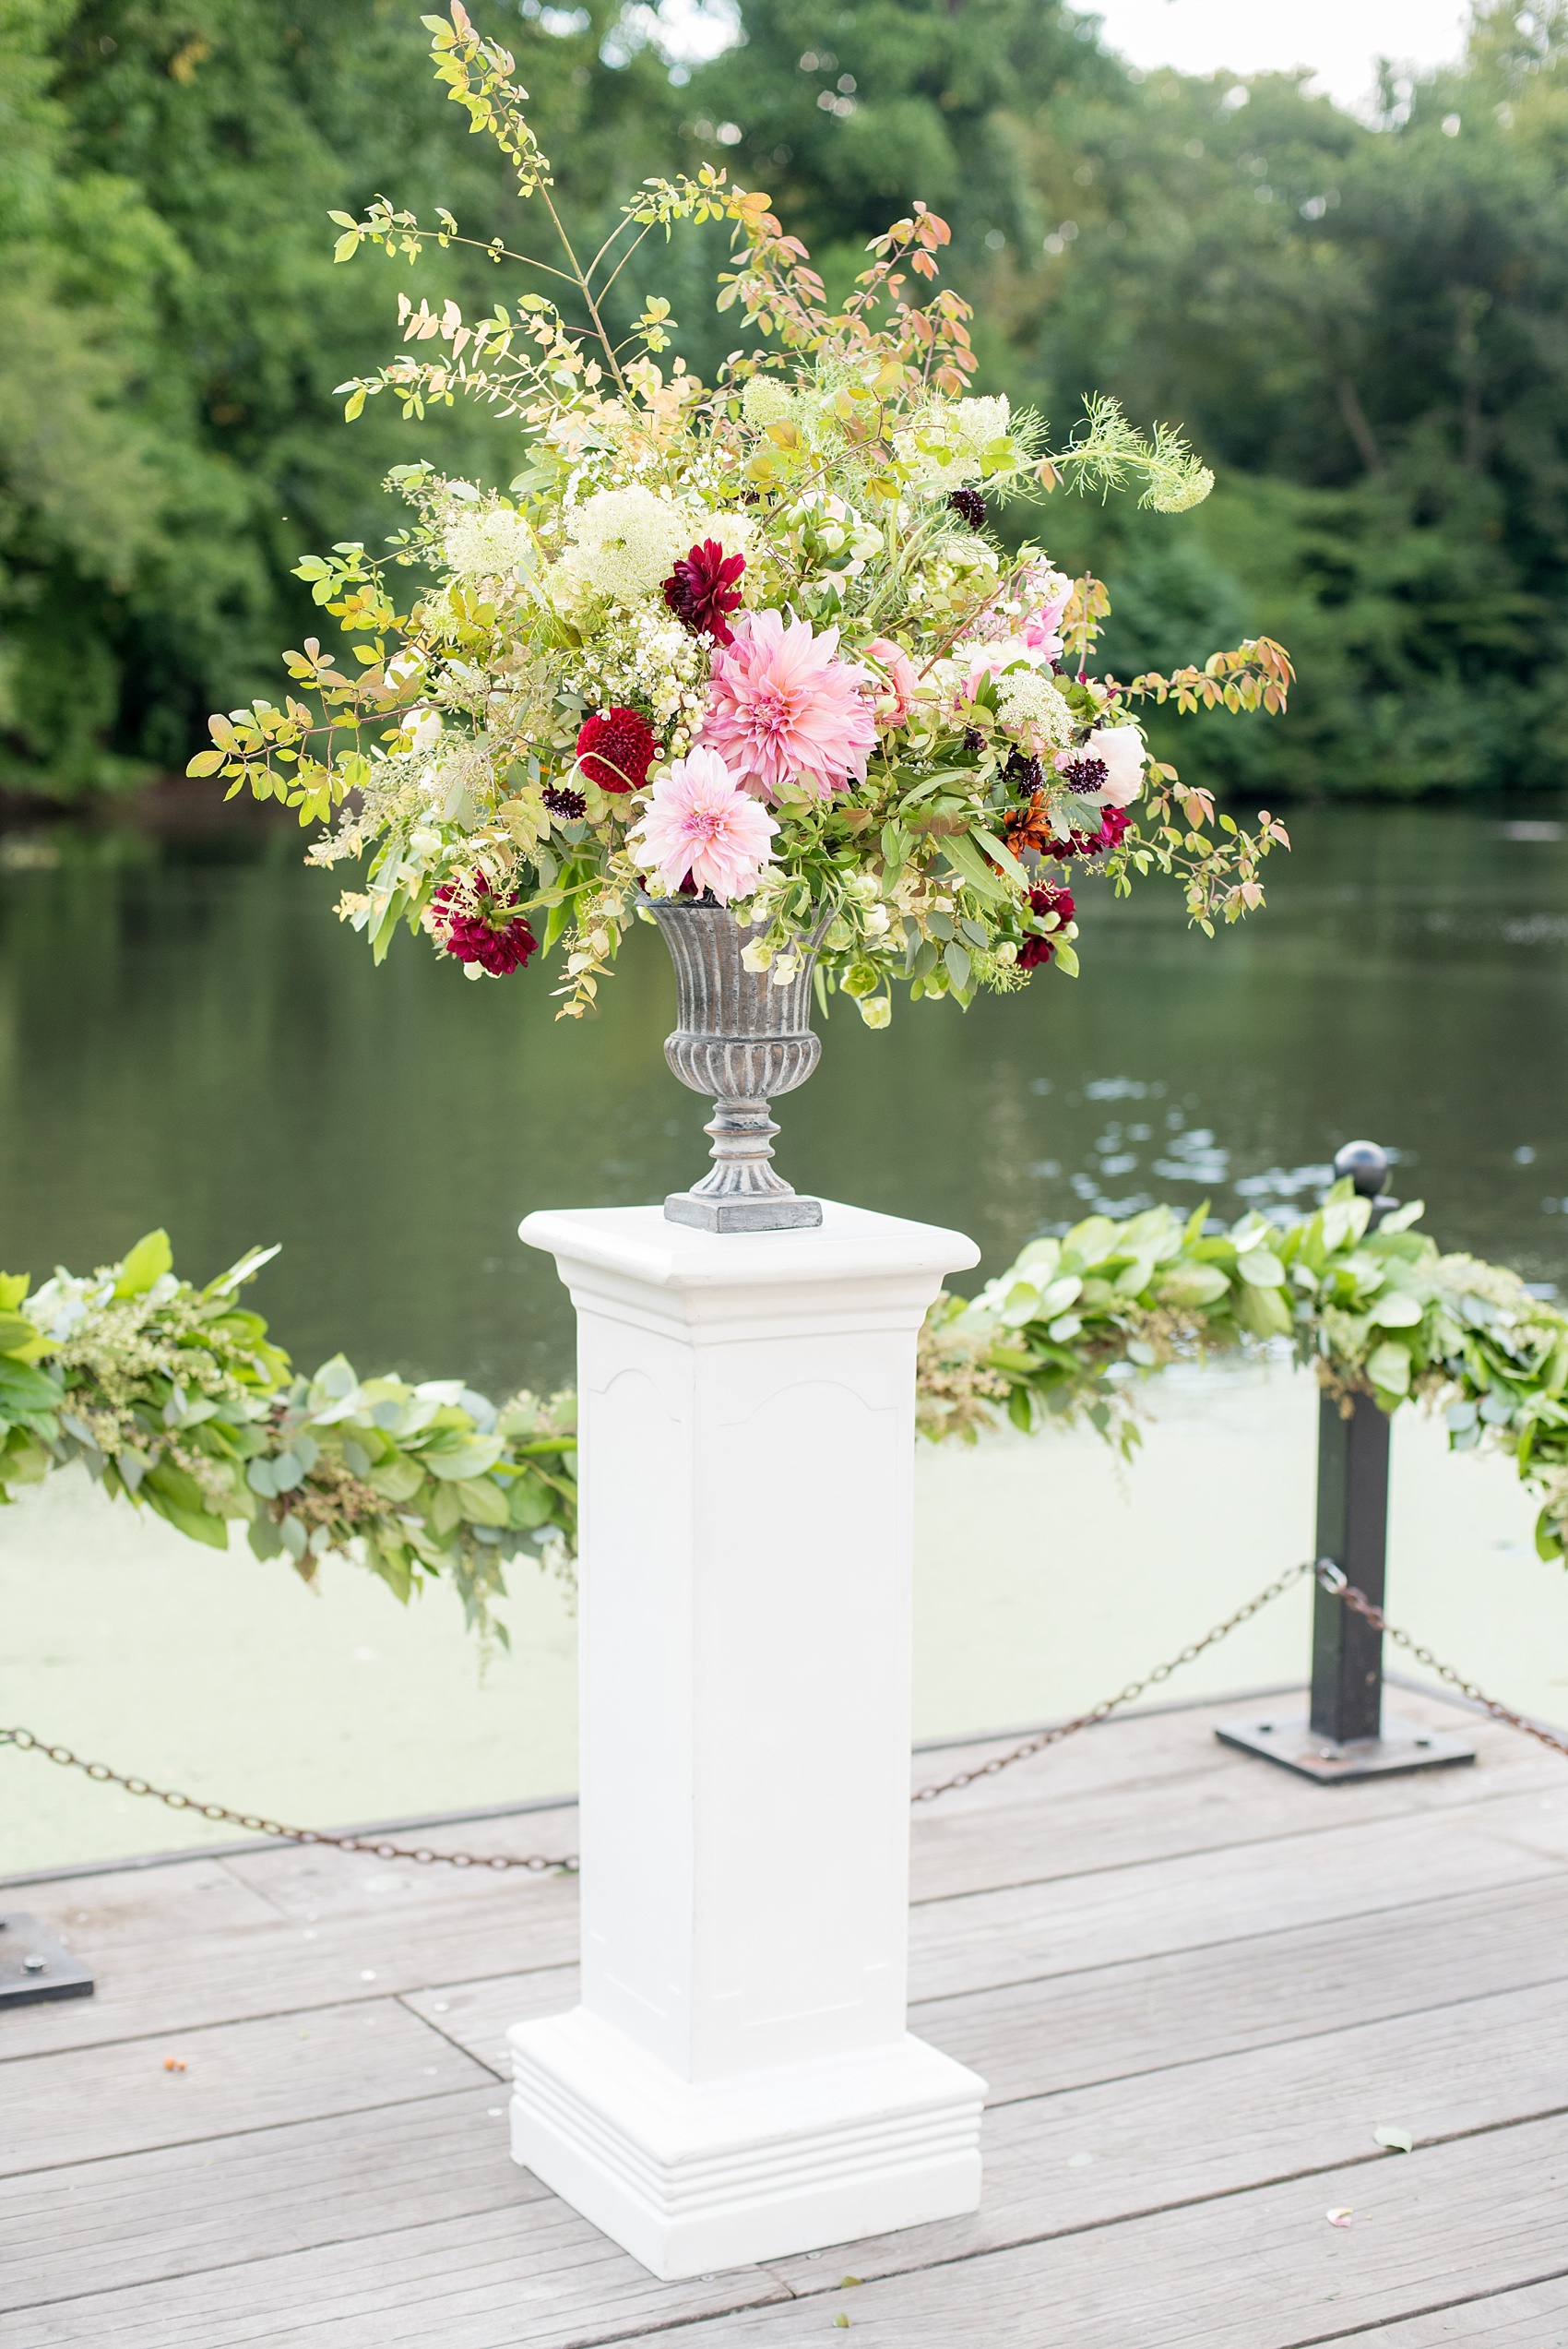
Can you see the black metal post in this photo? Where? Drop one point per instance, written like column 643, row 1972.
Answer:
column 1352, row 1530
column 1352, row 1522
column 1344, row 1734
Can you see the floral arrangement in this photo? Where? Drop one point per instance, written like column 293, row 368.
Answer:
column 1067, row 1330
column 174, row 1398
column 762, row 639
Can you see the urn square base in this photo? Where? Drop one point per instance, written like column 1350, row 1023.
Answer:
column 784, row 1211
column 695, row 2176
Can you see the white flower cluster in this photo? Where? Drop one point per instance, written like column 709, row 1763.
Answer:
column 944, row 445
column 490, row 545
column 647, row 658
column 768, row 401
column 624, row 542
column 1030, row 704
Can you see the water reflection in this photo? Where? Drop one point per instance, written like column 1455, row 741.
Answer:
column 186, row 1036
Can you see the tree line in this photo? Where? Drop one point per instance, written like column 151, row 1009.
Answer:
column 1362, row 325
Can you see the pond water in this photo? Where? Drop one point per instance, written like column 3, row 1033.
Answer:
column 187, row 1037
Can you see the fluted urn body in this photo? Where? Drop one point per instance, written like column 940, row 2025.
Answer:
column 742, row 1040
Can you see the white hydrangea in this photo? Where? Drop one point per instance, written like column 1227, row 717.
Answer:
column 1031, row 704
column 768, row 401
column 624, row 542
column 487, row 546
column 977, row 423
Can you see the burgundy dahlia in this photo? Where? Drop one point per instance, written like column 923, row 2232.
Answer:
column 496, row 938
column 568, row 805
column 701, row 590
column 615, row 749
column 970, row 505
column 1082, row 773
column 1034, row 951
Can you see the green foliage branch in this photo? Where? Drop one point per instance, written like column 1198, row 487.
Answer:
column 1069, row 1330
column 175, row 1399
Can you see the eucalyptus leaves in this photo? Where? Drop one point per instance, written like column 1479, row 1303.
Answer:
column 173, row 1396
column 1069, row 1328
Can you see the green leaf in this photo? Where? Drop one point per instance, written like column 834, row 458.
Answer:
column 1388, row 1368
column 483, row 1502
column 148, row 1262
column 1397, row 1310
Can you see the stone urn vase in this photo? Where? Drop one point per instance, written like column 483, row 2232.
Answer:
column 741, row 1039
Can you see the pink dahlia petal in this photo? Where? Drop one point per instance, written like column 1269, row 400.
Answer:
column 702, row 824
column 782, row 708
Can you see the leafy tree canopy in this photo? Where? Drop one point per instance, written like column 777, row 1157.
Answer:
column 1361, row 325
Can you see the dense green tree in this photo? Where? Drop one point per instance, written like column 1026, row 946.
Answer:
column 1363, row 325
column 184, row 327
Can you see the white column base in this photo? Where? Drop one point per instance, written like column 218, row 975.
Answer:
column 693, row 2177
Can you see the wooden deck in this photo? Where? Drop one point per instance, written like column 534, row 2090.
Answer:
column 1195, row 1983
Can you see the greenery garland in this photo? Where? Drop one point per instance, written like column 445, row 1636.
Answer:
column 175, row 1397
column 1067, row 1331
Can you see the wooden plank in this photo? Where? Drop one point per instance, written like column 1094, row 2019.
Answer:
column 142, row 2218
column 281, row 1966
column 474, row 1928
column 536, row 2273
column 85, row 2102
column 1054, row 2164
column 1253, row 2271
column 1344, row 1870
column 127, row 1908
column 1534, row 2316
column 1258, row 2270
column 1117, row 1796
column 1096, row 2156
column 311, row 1882
column 1073, row 2030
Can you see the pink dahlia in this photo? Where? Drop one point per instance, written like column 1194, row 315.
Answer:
column 782, row 708
column 902, row 679
column 704, row 824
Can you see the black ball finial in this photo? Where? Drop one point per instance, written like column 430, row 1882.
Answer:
column 1366, row 1165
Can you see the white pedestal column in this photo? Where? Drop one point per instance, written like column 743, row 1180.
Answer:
column 737, row 2081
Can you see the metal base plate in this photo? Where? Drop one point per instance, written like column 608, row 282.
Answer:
column 781, row 1212
column 1287, row 1740
column 33, row 1966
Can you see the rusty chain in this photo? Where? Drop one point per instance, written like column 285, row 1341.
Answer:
column 1327, row 1574
column 1109, row 1705
column 1335, row 1583
column 377, row 1846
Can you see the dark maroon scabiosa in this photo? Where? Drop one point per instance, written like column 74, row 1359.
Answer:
column 973, row 739
column 615, row 749
column 701, row 591
column 490, row 932
column 568, row 805
column 1082, row 773
column 1026, row 775
column 970, row 505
